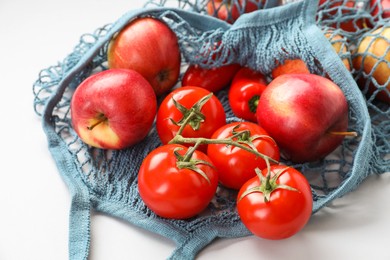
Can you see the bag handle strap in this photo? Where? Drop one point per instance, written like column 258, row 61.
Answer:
column 79, row 224
column 80, row 215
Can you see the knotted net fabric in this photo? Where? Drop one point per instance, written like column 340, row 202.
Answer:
column 106, row 180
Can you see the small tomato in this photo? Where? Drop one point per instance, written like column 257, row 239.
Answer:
column 180, row 103
column 235, row 165
column 213, row 79
column 172, row 190
column 276, row 207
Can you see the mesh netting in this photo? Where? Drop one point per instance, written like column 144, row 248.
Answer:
column 107, row 179
column 365, row 26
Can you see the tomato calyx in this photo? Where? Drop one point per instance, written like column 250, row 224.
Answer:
column 242, row 136
column 193, row 116
column 187, row 162
column 245, row 137
column 268, row 184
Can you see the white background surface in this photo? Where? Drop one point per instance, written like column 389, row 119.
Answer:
column 34, row 200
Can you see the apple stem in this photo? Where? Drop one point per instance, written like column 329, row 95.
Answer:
column 344, row 133
column 102, row 118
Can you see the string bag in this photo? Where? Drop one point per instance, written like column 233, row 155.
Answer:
column 106, row 180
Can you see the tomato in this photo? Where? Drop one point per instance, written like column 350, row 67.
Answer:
column 235, row 165
column 244, row 93
column 282, row 209
column 173, row 192
column 213, row 79
column 211, row 116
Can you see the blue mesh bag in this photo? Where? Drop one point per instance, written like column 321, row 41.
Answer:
column 106, row 180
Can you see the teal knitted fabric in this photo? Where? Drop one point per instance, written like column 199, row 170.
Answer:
column 106, row 180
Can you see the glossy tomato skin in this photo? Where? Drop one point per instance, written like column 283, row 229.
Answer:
column 187, row 96
column 244, row 92
column 235, row 165
column 213, row 79
column 171, row 192
column 287, row 211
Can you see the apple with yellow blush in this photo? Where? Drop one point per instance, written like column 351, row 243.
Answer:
column 113, row 109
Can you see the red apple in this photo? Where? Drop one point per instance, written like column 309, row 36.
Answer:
column 306, row 114
column 347, row 10
column 149, row 46
column 113, row 109
column 385, row 8
column 230, row 11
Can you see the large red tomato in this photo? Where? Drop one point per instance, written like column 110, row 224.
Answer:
column 278, row 209
column 235, row 165
column 209, row 118
column 244, row 93
column 173, row 191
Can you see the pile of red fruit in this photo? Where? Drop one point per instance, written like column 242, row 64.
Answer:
column 297, row 116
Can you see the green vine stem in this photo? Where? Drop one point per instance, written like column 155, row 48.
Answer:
column 187, row 162
column 194, row 118
column 179, row 139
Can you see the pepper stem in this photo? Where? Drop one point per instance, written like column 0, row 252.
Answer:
column 187, row 162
